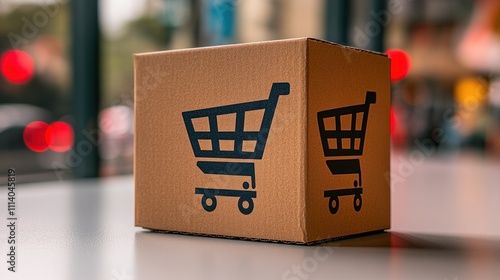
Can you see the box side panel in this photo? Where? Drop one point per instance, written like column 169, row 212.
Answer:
column 175, row 171
column 344, row 149
column 137, row 65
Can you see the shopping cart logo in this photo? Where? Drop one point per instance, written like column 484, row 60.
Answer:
column 210, row 141
column 342, row 132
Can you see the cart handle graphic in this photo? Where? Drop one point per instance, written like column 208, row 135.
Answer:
column 338, row 134
column 239, row 135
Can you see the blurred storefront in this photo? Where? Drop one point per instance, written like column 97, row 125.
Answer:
column 447, row 94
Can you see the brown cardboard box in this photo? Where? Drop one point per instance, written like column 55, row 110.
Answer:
column 284, row 140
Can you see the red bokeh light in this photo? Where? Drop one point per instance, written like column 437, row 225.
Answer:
column 34, row 136
column 400, row 64
column 17, row 66
column 59, row 137
column 39, row 136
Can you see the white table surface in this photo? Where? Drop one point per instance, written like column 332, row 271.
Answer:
column 445, row 226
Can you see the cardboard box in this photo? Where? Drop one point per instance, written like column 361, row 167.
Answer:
column 284, row 140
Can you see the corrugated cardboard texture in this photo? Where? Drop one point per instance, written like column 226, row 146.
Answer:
column 340, row 77
column 166, row 174
column 292, row 175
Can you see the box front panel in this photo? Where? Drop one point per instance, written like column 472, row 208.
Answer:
column 348, row 141
column 219, row 140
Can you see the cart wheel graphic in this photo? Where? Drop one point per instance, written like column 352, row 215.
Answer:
column 245, row 210
column 357, row 202
column 213, row 202
column 333, row 204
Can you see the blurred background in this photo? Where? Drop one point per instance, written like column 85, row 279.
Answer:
column 66, row 80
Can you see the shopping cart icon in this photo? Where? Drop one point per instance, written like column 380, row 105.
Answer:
column 237, row 143
column 342, row 131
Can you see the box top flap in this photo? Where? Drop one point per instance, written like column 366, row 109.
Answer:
column 349, row 47
column 260, row 43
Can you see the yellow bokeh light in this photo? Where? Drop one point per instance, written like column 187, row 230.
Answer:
column 471, row 90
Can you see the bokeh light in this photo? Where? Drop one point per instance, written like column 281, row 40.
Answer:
column 400, row 64
column 17, row 66
column 39, row 136
column 59, row 136
column 473, row 90
column 34, row 136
